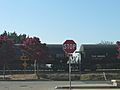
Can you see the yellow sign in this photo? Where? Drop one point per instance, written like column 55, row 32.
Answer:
column 24, row 58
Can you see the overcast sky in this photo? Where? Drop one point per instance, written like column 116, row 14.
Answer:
column 54, row 21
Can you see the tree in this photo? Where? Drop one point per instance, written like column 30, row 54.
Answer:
column 16, row 38
column 36, row 49
column 29, row 46
column 106, row 43
column 7, row 51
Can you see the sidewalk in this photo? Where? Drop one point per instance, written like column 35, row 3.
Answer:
column 88, row 86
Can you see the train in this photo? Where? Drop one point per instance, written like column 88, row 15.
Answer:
column 90, row 58
column 99, row 56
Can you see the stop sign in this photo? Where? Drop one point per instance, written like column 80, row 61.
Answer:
column 69, row 46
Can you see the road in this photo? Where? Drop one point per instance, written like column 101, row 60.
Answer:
column 45, row 85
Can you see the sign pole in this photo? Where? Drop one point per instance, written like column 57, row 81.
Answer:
column 70, row 70
column 69, row 46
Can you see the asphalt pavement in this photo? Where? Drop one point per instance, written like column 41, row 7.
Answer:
column 50, row 85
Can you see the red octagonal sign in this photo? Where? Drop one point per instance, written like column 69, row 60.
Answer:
column 69, row 46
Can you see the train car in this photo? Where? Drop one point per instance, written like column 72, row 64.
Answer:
column 57, row 57
column 99, row 56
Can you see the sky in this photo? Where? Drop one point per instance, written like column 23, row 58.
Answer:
column 54, row 21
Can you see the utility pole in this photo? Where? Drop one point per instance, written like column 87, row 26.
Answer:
column 35, row 67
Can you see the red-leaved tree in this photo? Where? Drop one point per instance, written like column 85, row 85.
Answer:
column 7, row 51
column 36, row 49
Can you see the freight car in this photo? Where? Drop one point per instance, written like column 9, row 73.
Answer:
column 99, row 56
column 57, row 57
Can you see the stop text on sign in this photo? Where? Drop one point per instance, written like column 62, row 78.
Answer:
column 69, row 46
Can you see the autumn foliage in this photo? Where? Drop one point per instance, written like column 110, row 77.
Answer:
column 30, row 46
column 36, row 49
column 7, row 51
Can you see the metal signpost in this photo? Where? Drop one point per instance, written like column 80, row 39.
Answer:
column 69, row 46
